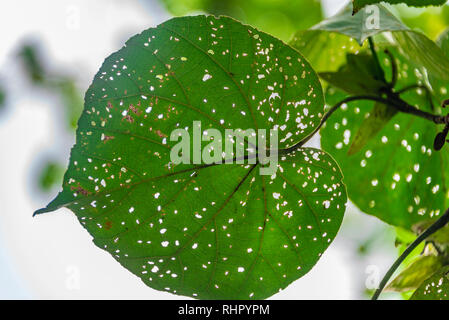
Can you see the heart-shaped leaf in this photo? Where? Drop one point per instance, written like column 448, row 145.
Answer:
column 358, row 76
column 203, row 230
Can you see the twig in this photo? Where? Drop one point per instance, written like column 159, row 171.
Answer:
column 393, row 101
column 376, row 59
column 440, row 223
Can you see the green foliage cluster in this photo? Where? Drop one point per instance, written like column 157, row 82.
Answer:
column 225, row 231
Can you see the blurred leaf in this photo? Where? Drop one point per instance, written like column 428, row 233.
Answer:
column 2, row 98
column 361, row 26
column 358, row 76
column 441, row 86
column 32, row 63
column 359, row 4
column 430, row 22
column 326, row 51
column 441, row 237
column 416, row 273
column 281, row 18
column 423, row 51
column 72, row 99
column 378, row 117
column 434, row 288
column 57, row 83
column 196, row 229
column 51, row 176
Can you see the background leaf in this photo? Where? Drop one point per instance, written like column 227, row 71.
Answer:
column 415, row 45
column 358, row 26
column 358, row 76
column 326, row 51
column 263, row 14
column 377, row 118
column 434, row 288
column 416, row 273
column 206, row 231
column 359, row 4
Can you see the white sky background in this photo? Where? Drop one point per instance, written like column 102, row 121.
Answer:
column 52, row 256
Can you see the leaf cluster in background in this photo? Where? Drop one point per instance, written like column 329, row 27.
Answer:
column 281, row 18
column 58, row 83
column 359, row 4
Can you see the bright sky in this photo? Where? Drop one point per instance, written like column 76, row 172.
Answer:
column 52, row 256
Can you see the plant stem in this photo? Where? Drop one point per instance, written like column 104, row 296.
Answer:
column 440, row 223
column 376, row 59
column 393, row 101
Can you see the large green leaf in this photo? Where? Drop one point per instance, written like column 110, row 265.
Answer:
column 434, row 288
column 396, row 176
column 359, row 4
column 206, row 231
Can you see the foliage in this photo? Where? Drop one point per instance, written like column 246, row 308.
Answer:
column 280, row 18
column 220, row 231
column 359, row 4
column 216, row 231
column 434, row 288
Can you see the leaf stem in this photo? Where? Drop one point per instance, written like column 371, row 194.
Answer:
column 376, row 60
column 440, row 223
column 393, row 101
column 394, row 69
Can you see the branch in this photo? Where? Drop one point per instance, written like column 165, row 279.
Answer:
column 376, row 59
column 394, row 69
column 439, row 224
column 419, row 86
column 394, row 101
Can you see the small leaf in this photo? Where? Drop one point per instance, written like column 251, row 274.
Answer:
column 358, row 76
column 326, row 51
column 359, row 4
column 362, row 25
column 416, row 273
column 434, row 288
column 51, row 175
column 378, row 117
column 220, row 231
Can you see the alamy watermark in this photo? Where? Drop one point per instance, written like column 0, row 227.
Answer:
column 237, row 146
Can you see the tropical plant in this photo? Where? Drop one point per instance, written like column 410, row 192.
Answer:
column 373, row 89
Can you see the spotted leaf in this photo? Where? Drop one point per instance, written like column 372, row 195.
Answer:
column 434, row 288
column 203, row 230
column 396, row 175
